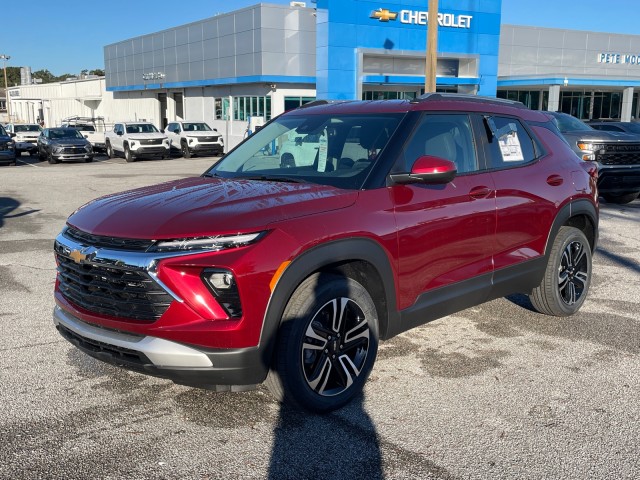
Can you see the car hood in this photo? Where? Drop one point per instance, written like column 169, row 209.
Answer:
column 69, row 142
column 601, row 136
column 146, row 136
column 202, row 206
column 28, row 134
column 202, row 134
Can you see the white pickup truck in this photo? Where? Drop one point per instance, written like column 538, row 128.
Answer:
column 25, row 136
column 92, row 128
column 194, row 138
column 134, row 140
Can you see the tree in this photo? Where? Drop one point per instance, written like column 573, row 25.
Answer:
column 45, row 75
column 13, row 76
column 97, row 71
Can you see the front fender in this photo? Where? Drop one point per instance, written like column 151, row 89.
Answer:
column 323, row 256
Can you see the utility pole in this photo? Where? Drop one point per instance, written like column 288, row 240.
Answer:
column 6, row 86
column 432, row 48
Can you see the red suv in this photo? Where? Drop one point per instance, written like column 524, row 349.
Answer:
column 334, row 226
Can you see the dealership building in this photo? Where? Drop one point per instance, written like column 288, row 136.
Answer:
column 239, row 69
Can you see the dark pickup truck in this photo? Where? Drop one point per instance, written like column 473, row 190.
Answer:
column 617, row 155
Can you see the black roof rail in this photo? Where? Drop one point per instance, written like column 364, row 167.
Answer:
column 466, row 98
column 316, row 103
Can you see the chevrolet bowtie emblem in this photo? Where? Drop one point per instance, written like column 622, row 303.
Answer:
column 81, row 256
column 383, row 14
column 77, row 256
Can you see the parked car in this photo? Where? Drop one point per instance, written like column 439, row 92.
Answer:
column 290, row 275
column 92, row 128
column 616, row 154
column 628, row 127
column 63, row 144
column 134, row 140
column 25, row 136
column 194, row 138
column 7, row 148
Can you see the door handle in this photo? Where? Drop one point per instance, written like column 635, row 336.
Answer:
column 480, row 192
column 555, row 180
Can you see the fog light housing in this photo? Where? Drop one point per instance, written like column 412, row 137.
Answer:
column 222, row 285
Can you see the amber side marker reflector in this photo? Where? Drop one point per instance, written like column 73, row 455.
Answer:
column 278, row 274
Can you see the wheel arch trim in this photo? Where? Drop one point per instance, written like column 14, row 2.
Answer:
column 310, row 261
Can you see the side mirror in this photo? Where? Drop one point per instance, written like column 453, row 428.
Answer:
column 177, row 130
column 11, row 134
column 428, row 169
column 119, row 132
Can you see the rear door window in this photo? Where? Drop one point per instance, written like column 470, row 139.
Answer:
column 507, row 144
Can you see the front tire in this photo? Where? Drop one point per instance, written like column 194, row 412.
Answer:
column 186, row 153
column 110, row 153
column 51, row 158
column 128, row 156
column 567, row 276
column 327, row 344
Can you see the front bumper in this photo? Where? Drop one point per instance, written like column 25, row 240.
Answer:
column 154, row 151
column 205, row 148
column 63, row 157
column 618, row 180
column 219, row 369
column 26, row 147
column 7, row 156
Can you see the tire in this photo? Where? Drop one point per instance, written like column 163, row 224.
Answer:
column 621, row 199
column 52, row 160
column 312, row 368
column 88, row 160
column 186, row 153
column 110, row 153
column 127, row 154
column 41, row 156
column 567, row 277
column 287, row 161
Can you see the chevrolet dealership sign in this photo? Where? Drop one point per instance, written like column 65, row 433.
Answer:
column 417, row 17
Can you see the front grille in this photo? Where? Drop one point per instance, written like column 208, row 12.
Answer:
column 619, row 154
column 113, row 243
column 209, row 139
column 153, row 141
column 111, row 290
column 73, row 150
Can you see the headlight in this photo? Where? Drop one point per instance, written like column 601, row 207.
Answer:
column 57, row 149
column 88, row 148
column 591, row 147
column 215, row 244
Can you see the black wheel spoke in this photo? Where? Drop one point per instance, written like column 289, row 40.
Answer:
column 573, row 274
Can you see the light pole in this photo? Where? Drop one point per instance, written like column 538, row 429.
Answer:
column 6, row 85
column 432, row 48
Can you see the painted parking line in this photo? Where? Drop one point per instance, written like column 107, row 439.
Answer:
column 27, row 163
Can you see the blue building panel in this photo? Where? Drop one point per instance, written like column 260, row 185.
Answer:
column 468, row 28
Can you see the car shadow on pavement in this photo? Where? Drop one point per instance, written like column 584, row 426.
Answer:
column 8, row 205
column 343, row 444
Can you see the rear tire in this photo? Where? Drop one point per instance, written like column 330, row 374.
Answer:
column 110, row 151
column 567, row 276
column 327, row 344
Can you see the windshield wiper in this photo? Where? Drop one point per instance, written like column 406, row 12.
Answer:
column 272, row 178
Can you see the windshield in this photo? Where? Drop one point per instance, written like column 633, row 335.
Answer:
column 56, row 133
column 3, row 132
column 26, row 128
column 141, row 128
column 196, row 127
column 567, row 123
column 337, row 150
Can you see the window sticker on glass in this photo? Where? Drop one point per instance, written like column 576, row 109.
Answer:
column 322, row 151
column 510, row 147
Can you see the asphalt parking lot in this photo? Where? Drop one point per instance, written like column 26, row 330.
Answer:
column 494, row 392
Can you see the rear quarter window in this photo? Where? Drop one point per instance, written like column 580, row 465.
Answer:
column 511, row 146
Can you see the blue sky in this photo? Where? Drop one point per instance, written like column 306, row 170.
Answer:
column 67, row 36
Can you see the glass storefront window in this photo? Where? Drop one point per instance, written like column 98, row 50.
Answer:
column 245, row 107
